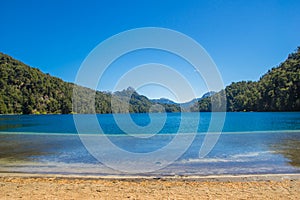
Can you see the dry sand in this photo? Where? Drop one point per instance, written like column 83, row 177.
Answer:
column 225, row 187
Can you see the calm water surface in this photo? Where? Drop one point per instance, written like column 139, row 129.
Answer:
column 250, row 143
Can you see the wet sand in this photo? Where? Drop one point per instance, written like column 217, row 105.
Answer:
column 22, row 186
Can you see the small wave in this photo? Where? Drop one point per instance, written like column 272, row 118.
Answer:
column 204, row 160
column 55, row 167
column 251, row 154
column 243, row 157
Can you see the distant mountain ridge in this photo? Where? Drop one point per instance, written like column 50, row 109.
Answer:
column 185, row 107
column 188, row 105
column 163, row 100
column 168, row 101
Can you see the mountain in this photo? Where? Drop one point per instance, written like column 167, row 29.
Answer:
column 208, row 94
column 27, row 90
column 277, row 90
column 163, row 101
column 188, row 105
column 140, row 103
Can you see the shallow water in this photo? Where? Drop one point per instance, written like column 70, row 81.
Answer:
column 250, row 143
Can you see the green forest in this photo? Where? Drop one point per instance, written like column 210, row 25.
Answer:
column 277, row 90
column 27, row 90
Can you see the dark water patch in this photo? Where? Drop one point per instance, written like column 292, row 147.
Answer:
column 21, row 148
column 289, row 147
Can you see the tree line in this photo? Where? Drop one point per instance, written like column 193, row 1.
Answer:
column 277, row 90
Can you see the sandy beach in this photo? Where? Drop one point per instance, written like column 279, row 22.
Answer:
column 221, row 187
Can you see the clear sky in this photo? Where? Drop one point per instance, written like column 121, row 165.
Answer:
column 244, row 38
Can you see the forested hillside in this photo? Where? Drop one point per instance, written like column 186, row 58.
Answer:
column 277, row 90
column 27, row 90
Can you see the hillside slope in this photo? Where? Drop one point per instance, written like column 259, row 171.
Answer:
column 277, row 90
column 27, row 90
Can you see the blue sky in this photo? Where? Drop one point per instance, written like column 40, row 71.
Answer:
column 244, row 38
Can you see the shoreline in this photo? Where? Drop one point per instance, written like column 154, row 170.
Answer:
column 45, row 186
column 198, row 178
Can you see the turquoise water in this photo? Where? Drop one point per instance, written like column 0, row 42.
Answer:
column 249, row 143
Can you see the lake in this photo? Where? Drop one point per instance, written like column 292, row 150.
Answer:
column 250, row 143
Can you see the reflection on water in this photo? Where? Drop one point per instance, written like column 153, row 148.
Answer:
column 4, row 127
column 11, row 122
column 289, row 148
column 19, row 148
column 42, row 148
